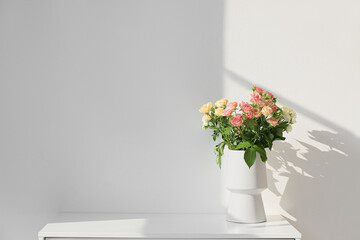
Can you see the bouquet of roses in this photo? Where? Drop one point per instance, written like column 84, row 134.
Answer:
column 250, row 127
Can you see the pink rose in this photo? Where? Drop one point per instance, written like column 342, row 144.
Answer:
column 273, row 121
column 259, row 90
column 270, row 94
column 249, row 115
column 246, row 106
column 232, row 105
column 254, row 97
column 237, row 121
column 266, row 111
column 269, row 103
column 261, row 102
column 227, row 112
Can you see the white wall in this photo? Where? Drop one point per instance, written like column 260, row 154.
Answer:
column 99, row 107
column 308, row 54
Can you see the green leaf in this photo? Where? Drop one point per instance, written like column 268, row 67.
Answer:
column 262, row 152
column 279, row 132
column 243, row 145
column 280, row 138
column 214, row 137
column 270, row 146
column 250, row 156
column 219, row 151
column 227, row 130
column 218, row 160
column 268, row 139
column 216, row 149
column 271, row 136
column 251, row 123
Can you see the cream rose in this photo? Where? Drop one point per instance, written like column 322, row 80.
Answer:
column 289, row 114
column 293, row 116
column 206, row 118
column 266, row 111
column 286, row 116
column 289, row 128
column 206, row 107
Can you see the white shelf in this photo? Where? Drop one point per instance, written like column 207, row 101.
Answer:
column 155, row 226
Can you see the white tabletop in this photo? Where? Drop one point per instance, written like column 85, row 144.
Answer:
column 86, row 225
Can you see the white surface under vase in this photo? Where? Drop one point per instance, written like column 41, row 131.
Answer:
column 245, row 186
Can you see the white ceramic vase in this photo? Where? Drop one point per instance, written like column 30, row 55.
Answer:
column 245, row 186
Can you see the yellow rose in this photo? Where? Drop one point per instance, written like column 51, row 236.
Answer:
column 218, row 111
column 206, row 117
column 206, row 107
column 221, row 103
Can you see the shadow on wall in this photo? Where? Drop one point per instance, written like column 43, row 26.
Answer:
column 322, row 191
